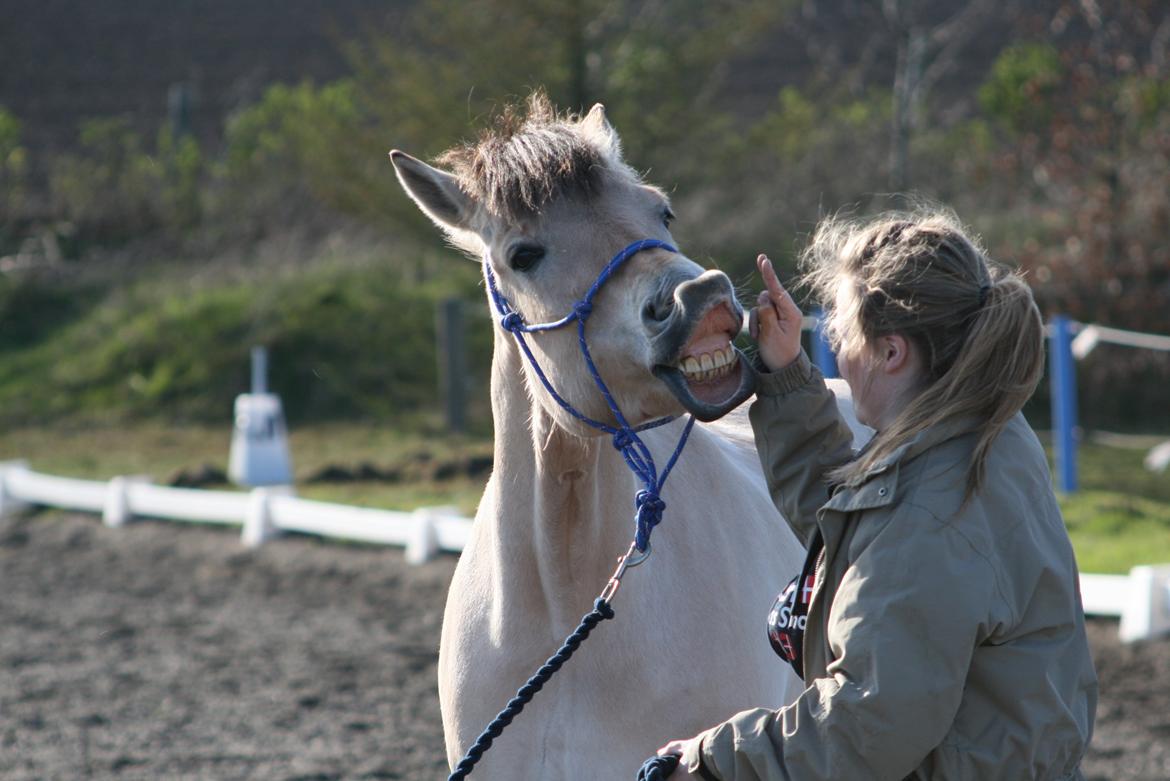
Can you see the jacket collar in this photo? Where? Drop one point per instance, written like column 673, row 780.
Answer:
column 879, row 485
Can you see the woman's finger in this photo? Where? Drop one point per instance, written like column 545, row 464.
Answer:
column 787, row 308
column 676, row 747
column 781, row 299
column 767, row 309
column 771, row 281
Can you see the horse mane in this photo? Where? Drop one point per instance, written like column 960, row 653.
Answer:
column 525, row 159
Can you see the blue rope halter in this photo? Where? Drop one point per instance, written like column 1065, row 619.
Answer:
column 648, row 504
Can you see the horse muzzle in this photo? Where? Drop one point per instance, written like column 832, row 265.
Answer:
column 693, row 350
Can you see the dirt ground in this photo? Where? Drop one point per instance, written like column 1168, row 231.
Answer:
column 165, row 651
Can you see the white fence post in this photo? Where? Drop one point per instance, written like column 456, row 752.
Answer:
column 1147, row 609
column 258, row 525
column 423, row 544
column 116, row 512
column 9, row 504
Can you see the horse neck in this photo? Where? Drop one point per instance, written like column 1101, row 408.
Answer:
column 562, row 503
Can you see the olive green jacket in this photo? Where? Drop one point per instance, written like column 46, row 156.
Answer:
column 944, row 640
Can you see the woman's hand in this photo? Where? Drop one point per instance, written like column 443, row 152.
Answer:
column 677, row 747
column 775, row 322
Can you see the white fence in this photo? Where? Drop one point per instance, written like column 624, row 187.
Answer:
column 1141, row 599
column 261, row 513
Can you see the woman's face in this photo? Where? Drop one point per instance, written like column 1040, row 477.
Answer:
column 857, row 369
column 873, row 371
column 846, row 336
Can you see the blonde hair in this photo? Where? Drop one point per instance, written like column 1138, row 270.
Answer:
column 974, row 323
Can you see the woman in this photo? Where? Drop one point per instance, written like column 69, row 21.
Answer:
column 937, row 622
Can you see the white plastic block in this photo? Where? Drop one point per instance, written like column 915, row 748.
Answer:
column 259, row 454
column 1147, row 612
column 1158, row 459
column 423, row 544
column 1104, row 595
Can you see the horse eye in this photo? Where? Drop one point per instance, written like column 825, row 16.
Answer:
column 667, row 217
column 525, row 257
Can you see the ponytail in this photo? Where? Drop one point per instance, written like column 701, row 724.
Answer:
column 975, row 324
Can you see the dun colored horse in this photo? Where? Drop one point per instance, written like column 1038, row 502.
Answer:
column 547, row 200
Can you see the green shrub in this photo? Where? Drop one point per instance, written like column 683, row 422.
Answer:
column 1023, row 79
column 110, row 188
column 13, row 176
column 344, row 342
column 32, row 309
column 116, row 187
column 291, row 153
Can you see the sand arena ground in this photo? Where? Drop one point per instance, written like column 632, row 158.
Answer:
column 166, row 651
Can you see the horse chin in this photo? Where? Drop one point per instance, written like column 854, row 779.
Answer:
column 712, row 399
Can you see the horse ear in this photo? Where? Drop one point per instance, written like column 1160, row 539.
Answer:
column 436, row 192
column 596, row 125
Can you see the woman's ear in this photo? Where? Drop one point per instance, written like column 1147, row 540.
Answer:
column 896, row 354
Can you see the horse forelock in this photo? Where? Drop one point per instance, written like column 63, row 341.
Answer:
column 523, row 161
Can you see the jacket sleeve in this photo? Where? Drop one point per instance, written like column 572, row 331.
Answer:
column 904, row 626
column 799, row 435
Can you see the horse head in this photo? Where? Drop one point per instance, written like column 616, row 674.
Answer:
column 547, row 201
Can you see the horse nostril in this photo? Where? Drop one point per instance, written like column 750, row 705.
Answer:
column 657, row 311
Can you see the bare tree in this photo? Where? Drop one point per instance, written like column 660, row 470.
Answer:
column 926, row 51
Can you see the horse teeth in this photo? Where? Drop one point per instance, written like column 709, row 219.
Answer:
column 709, row 366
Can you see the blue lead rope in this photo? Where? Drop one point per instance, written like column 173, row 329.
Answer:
column 648, row 504
column 601, row 611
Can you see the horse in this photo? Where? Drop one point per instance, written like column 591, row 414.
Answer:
column 544, row 200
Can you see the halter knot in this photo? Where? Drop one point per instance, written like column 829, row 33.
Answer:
column 623, row 438
column 648, row 515
column 649, row 505
column 512, row 322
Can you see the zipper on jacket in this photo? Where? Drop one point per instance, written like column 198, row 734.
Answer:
column 818, row 589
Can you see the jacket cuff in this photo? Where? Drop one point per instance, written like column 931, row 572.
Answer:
column 784, row 381
column 695, row 758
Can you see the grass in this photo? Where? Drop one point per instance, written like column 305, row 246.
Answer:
column 161, row 451
column 1120, row 518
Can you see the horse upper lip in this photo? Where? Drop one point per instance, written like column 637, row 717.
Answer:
column 709, row 333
